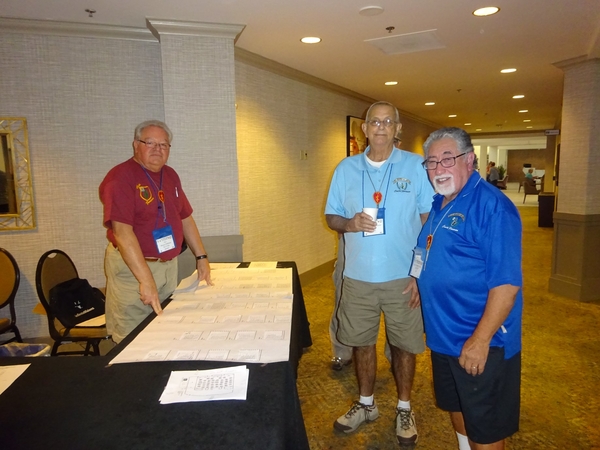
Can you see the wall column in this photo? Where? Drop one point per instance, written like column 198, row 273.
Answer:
column 198, row 79
column 576, row 246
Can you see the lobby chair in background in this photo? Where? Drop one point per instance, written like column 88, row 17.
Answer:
column 529, row 188
column 53, row 268
column 9, row 284
column 502, row 183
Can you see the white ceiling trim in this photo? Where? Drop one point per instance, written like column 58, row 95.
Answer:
column 57, row 28
column 184, row 28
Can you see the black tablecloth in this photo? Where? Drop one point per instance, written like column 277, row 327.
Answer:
column 82, row 403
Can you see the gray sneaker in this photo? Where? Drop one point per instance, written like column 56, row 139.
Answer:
column 338, row 363
column 356, row 416
column 406, row 427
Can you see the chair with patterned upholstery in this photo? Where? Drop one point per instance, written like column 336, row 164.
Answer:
column 9, row 284
column 55, row 267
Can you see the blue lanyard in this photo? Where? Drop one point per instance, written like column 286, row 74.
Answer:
column 391, row 167
column 160, row 195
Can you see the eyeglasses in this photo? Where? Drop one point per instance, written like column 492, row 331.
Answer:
column 450, row 161
column 152, row 145
column 385, row 122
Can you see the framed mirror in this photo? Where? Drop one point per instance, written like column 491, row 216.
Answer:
column 16, row 191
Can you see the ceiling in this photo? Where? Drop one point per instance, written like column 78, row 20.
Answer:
column 463, row 77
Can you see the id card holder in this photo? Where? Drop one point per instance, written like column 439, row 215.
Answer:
column 416, row 266
column 164, row 239
column 380, row 224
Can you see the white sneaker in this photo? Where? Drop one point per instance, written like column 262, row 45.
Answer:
column 406, row 427
column 356, row 416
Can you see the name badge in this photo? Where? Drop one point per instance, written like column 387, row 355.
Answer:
column 164, row 239
column 416, row 266
column 380, row 224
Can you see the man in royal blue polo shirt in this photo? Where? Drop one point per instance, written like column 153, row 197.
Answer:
column 468, row 265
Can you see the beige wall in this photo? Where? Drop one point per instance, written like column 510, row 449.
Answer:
column 82, row 98
column 282, row 197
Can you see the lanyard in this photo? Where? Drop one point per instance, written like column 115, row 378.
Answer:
column 377, row 195
column 161, row 196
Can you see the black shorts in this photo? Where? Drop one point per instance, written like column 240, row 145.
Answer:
column 490, row 402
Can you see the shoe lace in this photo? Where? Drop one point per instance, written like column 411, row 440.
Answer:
column 356, row 407
column 405, row 418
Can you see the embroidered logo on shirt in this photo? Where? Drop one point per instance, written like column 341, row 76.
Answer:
column 145, row 193
column 455, row 220
column 403, row 184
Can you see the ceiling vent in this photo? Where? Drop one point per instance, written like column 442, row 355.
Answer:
column 407, row 43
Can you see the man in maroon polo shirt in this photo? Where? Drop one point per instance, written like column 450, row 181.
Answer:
column 147, row 216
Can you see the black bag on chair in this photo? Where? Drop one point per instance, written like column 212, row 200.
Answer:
column 75, row 301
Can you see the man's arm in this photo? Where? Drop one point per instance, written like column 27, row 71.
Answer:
column 499, row 304
column 131, row 252
column 193, row 239
column 360, row 222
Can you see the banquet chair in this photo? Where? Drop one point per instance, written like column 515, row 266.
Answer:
column 529, row 188
column 55, row 267
column 9, row 284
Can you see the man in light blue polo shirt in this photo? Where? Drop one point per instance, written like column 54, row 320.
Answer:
column 378, row 254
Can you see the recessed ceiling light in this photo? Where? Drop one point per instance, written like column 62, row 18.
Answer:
column 310, row 40
column 391, row 83
column 487, row 11
column 478, row 129
column 523, row 110
column 519, row 96
column 370, row 11
column 467, row 124
column 511, row 70
column 452, row 115
column 529, row 126
column 429, row 103
column 527, row 120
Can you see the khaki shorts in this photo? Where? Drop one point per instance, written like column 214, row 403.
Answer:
column 124, row 309
column 360, row 309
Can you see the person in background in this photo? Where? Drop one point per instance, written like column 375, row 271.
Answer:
column 147, row 216
column 342, row 354
column 529, row 174
column 377, row 260
column 468, row 267
column 494, row 174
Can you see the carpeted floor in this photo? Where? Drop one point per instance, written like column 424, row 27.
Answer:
column 560, row 402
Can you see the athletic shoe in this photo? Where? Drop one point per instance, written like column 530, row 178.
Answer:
column 356, row 416
column 338, row 363
column 406, row 428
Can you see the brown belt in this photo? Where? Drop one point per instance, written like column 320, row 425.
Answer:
column 147, row 259
column 157, row 259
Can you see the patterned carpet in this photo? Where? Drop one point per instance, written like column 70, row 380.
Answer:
column 560, row 403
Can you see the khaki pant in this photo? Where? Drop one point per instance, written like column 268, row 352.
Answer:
column 124, row 309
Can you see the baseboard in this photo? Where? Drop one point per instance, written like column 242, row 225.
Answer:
column 318, row 272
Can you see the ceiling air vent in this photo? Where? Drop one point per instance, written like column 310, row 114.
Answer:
column 407, row 43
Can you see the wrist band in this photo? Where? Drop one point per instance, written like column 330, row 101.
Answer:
column 199, row 257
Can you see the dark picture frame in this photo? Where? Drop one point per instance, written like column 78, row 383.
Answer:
column 356, row 141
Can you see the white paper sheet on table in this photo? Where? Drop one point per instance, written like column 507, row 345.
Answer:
column 229, row 383
column 263, row 265
column 8, row 374
column 245, row 317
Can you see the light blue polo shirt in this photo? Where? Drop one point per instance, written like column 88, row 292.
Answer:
column 407, row 193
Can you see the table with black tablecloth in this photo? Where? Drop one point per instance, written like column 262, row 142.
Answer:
column 82, row 403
